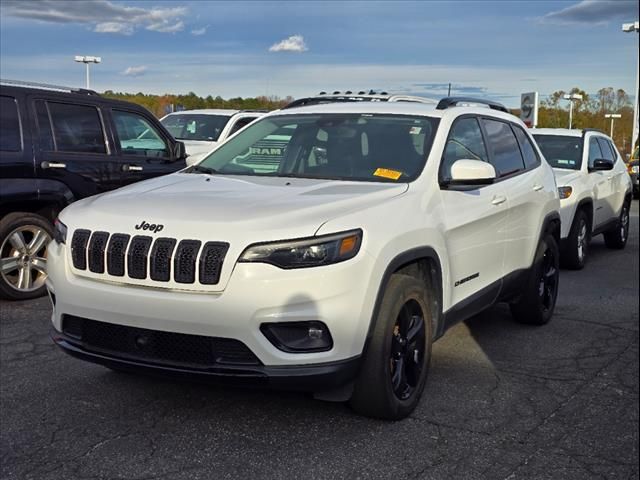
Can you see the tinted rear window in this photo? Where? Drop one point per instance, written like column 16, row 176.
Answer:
column 10, row 135
column 77, row 128
column 507, row 158
column 561, row 151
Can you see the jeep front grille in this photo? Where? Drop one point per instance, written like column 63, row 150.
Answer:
column 140, row 257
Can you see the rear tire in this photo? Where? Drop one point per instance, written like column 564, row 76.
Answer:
column 617, row 237
column 538, row 301
column 23, row 243
column 575, row 251
column 396, row 362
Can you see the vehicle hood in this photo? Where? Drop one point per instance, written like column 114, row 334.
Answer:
column 233, row 209
column 565, row 177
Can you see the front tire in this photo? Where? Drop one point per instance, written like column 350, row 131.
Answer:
column 396, row 362
column 574, row 254
column 538, row 301
column 23, row 250
column 617, row 237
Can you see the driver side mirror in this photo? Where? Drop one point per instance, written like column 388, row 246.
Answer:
column 472, row 172
column 601, row 164
column 179, row 151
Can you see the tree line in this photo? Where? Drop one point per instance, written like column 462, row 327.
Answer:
column 553, row 112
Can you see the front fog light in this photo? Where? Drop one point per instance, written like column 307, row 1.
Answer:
column 298, row 337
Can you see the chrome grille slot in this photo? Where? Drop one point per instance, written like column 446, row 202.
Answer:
column 137, row 256
column 211, row 260
column 115, row 254
column 184, row 261
column 97, row 245
column 160, row 267
column 79, row 248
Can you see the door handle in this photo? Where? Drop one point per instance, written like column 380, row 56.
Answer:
column 131, row 168
column 498, row 200
column 53, row 165
column 537, row 188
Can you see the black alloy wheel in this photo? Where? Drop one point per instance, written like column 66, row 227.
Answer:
column 407, row 350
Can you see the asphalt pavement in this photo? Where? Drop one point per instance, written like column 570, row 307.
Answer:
column 503, row 401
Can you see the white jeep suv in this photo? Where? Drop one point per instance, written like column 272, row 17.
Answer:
column 380, row 226
column 202, row 130
column 595, row 189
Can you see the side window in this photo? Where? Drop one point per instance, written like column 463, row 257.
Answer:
column 243, row 122
column 605, row 148
column 594, row 151
column 507, row 158
column 138, row 136
column 77, row 128
column 45, row 134
column 464, row 142
column 10, row 135
column 529, row 154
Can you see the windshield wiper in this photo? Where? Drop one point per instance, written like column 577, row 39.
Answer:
column 203, row 169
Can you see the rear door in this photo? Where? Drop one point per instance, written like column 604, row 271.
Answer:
column 72, row 146
column 600, row 182
column 475, row 219
column 517, row 166
column 17, row 181
column 144, row 150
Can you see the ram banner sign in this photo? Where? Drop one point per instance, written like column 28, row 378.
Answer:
column 529, row 109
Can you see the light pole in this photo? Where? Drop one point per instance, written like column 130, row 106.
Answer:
column 87, row 59
column 612, row 116
column 572, row 98
column 634, row 27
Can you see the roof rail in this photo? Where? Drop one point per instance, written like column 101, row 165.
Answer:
column 324, row 97
column 46, row 86
column 454, row 101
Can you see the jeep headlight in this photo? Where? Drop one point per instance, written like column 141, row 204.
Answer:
column 59, row 232
column 306, row 252
column 564, row 192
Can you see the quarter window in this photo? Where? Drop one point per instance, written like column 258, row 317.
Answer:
column 77, row 128
column 10, row 137
column 507, row 158
column 137, row 136
column 529, row 154
column 465, row 143
column 594, row 151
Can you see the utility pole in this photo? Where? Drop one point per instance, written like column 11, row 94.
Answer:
column 87, row 59
column 612, row 116
column 572, row 98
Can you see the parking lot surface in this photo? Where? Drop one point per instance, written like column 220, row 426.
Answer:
column 503, row 401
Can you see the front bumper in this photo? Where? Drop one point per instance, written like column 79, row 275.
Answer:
column 337, row 295
column 311, row 378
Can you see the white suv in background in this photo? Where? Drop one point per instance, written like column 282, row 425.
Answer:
column 202, row 130
column 595, row 189
column 331, row 269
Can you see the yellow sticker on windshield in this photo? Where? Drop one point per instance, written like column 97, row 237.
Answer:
column 387, row 173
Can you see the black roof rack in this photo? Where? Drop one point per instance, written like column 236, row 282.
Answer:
column 453, row 101
column 46, row 86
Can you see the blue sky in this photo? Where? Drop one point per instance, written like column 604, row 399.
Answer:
column 497, row 49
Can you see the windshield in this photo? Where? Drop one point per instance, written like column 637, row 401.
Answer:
column 364, row 147
column 192, row 126
column 561, row 151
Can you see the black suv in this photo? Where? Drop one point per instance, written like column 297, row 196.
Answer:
column 58, row 145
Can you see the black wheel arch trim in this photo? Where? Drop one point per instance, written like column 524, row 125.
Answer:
column 400, row 260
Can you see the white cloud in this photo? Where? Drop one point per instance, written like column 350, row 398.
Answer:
column 114, row 27
column 295, row 43
column 135, row 71
column 166, row 27
column 104, row 15
column 593, row 12
column 199, row 31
